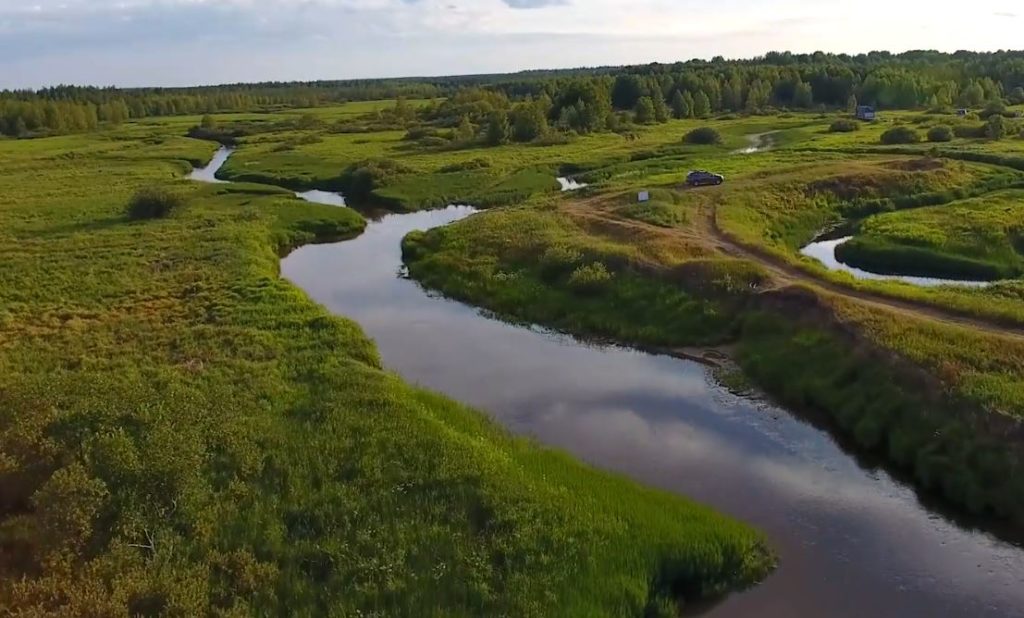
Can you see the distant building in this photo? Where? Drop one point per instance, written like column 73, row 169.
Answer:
column 865, row 112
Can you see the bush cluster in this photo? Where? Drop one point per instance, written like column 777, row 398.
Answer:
column 940, row 133
column 153, row 203
column 900, row 135
column 703, row 136
column 844, row 125
column 360, row 179
column 590, row 278
column 969, row 131
column 465, row 166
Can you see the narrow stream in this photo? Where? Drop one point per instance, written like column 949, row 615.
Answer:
column 853, row 542
column 825, row 252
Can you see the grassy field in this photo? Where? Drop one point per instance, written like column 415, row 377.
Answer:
column 182, row 432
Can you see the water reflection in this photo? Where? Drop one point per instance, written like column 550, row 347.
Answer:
column 853, row 542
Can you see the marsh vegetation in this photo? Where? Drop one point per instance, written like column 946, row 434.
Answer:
column 185, row 432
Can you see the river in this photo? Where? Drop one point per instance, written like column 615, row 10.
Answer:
column 853, row 541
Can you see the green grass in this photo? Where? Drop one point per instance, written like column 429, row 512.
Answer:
column 977, row 238
column 183, row 432
column 530, row 265
column 514, row 172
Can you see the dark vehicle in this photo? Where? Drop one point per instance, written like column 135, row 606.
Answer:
column 700, row 178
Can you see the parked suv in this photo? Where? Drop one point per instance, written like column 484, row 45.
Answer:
column 700, row 177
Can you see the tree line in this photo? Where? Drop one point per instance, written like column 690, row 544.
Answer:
column 581, row 100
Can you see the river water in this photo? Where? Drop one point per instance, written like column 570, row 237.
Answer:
column 825, row 252
column 853, row 541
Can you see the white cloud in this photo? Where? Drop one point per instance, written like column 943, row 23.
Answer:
column 216, row 40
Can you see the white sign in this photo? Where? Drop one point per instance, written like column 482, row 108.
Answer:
column 643, row 196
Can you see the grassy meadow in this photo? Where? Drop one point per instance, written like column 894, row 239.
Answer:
column 182, row 432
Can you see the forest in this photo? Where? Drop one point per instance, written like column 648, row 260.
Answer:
column 579, row 100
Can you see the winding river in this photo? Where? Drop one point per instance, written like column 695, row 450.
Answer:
column 853, row 541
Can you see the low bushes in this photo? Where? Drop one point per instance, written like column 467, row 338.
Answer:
column 360, row 179
column 703, row 136
column 844, row 125
column 153, row 203
column 900, row 135
column 465, row 166
column 969, row 131
column 589, row 279
column 940, row 133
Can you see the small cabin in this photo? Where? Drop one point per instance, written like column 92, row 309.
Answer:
column 865, row 112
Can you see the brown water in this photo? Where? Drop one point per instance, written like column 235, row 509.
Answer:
column 853, row 541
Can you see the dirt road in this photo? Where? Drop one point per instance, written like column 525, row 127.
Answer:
column 707, row 231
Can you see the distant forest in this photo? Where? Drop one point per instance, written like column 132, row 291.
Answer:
column 581, row 100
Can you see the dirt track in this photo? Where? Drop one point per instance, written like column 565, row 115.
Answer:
column 782, row 273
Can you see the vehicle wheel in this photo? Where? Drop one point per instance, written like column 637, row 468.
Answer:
column 718, row 181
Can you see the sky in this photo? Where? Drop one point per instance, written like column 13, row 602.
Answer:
column 189, row 42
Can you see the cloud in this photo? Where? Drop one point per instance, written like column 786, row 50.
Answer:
column 534, row 4
column 178, row 42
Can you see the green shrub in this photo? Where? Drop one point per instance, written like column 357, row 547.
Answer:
column 433, row 141
column 969, row 131
column 590, row 278
column 553, row 138
column 941, row 133
column 465, row 166
column 360, row 179
column 993, row 108
column 844, row 125
column 900, row 135
column 704, row 136
column 995, row 128
column 417, row 133
column 153, row 203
